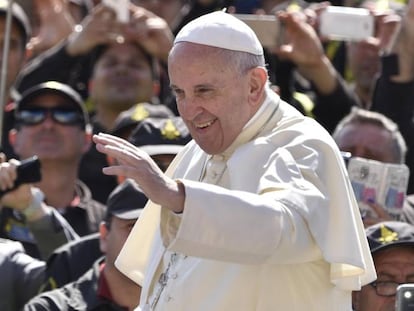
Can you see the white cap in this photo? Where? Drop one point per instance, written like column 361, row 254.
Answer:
column 222, row 30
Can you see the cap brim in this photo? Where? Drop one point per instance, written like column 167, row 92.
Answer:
column 391, row 245
column 128, row 215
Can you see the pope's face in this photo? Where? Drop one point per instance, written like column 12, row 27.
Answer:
column 212, row 97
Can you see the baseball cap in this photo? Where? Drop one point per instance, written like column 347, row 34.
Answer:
column 126, row 201
column 19, row 16
column 388, row 234
column 222, row 30
column 161, row 135
column 130, row 118
column 52, row 87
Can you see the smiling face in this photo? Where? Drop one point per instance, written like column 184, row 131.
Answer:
column 213, row 97
column 122, row 77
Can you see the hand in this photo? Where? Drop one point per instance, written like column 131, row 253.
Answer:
column 21, row 197
column 303, row 47
column 380, row 215
column 55, row 24
column 99, row 27
column 149, row 31
column 134, row 163
column 402, row 44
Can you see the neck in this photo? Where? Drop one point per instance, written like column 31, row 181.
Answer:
column 124, row 291
column 58, row 183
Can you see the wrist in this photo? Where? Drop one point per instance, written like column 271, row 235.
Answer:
column 35, row 209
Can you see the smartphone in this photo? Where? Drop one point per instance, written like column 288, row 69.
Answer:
column 121, row 8
column 404, row 299
column 268, row 28
column 346, row 23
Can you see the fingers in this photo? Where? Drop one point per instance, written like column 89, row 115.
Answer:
column 8, row 174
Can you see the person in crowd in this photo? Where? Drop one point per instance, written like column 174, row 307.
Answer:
column 392, row 248
column 129, row 119
column 121, row 74
column 395, row 86
column 161, row 138
column 18, row 36
column 51, row 123
column 256, row 212
column 333, row 97
column 22, row 275
column 103, row 287
column 371, row 135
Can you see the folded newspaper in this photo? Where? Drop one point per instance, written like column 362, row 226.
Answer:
column 378, row 182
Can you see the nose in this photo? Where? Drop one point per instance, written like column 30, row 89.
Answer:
column 189, row 108
column 48, row 121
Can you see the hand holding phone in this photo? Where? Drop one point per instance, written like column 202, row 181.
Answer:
column 121, row 8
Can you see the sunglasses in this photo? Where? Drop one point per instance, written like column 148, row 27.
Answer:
column 61, row 115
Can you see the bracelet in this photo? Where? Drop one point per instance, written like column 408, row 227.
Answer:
column 36, row 203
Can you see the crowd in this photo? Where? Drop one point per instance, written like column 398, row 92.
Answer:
column 237, row 151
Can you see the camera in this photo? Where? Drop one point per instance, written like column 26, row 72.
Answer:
column 404, row 300
column 268, row 28
column 28, row 171
column 346, row 23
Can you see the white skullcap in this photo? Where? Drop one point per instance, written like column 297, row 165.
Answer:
column 222, row 30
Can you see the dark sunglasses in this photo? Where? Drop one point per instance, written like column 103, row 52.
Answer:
column 61, row 115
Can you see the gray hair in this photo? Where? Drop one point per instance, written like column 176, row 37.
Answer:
column 362, row 116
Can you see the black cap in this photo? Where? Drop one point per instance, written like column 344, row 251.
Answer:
column 53, row 87
column 19, row 16
column 126, row 201
column 161, row 135
column 388, row 234
column 128, row 119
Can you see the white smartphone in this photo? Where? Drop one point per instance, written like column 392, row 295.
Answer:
column 267, row 28
column 346, row 23
column 121, row 8
column 404, row 299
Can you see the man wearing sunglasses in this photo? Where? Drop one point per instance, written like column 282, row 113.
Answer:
column 51, row 123
column 392, row 248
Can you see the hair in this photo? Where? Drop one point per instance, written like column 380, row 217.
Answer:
column 241, row 61
column 362, row 116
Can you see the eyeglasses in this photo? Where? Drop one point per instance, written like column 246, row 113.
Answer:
column 385, row 288
column 61, row 115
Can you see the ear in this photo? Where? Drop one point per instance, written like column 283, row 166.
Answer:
column 257, row 83
column 156, row 88
column 355, row 300
column 87, row 139
column 103, row 235
column 13, row 137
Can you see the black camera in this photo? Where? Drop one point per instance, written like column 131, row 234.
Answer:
column 28, row 171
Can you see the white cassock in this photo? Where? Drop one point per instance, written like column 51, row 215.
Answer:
column 270, row 224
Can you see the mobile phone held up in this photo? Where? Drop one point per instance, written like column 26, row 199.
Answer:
column 404, row 299
column 121, row 8
column 346, row 23
column 268, row 29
